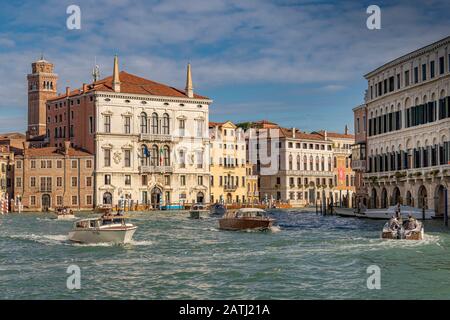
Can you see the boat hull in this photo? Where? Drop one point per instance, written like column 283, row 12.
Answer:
column 412, row 235
column 116, row 236
column 245, row 224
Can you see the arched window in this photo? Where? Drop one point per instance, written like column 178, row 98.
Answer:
column 334, row 162
column 154, row 156
column 317, row 163
column 144, row 122
column 165, row 125
column 311, row 163
column 329, row 163
column 155, row 129
column 298, row 163
column 305, row 163
column 290, row 162
column 322, row 164
column 166, row 156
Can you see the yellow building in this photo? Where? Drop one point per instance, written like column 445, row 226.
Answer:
column 252, row 184
column 227, row 163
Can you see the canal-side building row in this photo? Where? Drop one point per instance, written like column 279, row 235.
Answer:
column 407, row 127
column 300, row 168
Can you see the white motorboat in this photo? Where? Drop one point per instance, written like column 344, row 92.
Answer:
column 64, row 214
column 385, row 214
column 107, row 229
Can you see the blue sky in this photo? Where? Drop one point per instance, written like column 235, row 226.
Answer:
column 298, row 63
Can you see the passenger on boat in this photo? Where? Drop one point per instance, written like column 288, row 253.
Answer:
column 395, row 224
column 411, row 224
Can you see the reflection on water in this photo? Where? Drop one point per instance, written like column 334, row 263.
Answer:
column 304, row 256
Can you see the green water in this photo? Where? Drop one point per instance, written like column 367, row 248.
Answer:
column 173, row 257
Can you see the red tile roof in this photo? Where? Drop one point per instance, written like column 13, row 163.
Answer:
column 337, row 135
column 215, row 124
column 287, row 133
column 53, row 152
column 132, row 84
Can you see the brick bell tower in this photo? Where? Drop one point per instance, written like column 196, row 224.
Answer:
column 41, row 87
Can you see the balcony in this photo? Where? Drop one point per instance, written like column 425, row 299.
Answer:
column 230, row 188
column 359, row 165
column 309, row 173
column 416, row 174
column 155, row 137
column 155, row 169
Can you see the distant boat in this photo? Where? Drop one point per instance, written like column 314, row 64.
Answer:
column 217, row 209
column 197, row 211
column 386, row 213
column 411, row 229
column 246, row 219
column 64, row 214
column 107, row 229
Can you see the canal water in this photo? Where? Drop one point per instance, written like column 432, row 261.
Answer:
column 305, row 256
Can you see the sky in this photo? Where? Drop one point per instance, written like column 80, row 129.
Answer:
column 297, row 63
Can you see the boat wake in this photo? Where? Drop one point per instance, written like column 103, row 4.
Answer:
column 43, row 239
column 274, row 229
column 109, row 244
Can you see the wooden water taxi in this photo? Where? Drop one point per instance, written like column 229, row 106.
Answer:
column 246, row 219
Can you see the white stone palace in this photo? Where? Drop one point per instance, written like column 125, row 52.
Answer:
column 151, row 140
column 408, row 129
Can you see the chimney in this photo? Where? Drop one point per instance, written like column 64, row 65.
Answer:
column 66, row 147
column 26, row 146
column 293, row 132
column 67, row 91
column 116, row 80
column 85, row 87
column 325, row 134
column 346, row 129
column 189, row 87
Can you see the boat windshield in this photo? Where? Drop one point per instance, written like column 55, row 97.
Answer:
column 250, row 214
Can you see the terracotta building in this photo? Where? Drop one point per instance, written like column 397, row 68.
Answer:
column 49, row 177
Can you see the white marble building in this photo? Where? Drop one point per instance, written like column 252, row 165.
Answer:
column 408, row 142
column 150, row 140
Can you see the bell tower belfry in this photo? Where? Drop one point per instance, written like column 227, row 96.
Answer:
column 42, row 86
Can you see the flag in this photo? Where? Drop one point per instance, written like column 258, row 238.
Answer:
column 146, row 153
